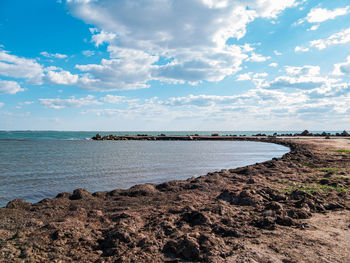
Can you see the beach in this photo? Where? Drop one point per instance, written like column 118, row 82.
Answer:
column 289, row 209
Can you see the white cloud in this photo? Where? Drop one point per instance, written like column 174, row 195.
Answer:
column 53, row 55
column 314, row 27
column 61, row 77
column 1, row 104
column 9, row 87
column 17, row 67
column 113, row 99
column 273, row 64
column 301, row 78
column 277, row 53
column 88, row 53
column 341, row 37
column 71, row 102
column 20, row 104
column 301, row 49
column 245, row 76
column 257, row 58
column 102, row 37
column 318, row 15
column 192, row 34
column 131, row 70
column 342, row 68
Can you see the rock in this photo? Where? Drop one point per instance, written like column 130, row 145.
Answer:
column 345, row 133
column 18, row 204
column 305, row 133
column 81, row 193
column 97, row 137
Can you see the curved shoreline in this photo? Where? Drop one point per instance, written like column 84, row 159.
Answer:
column 209, row 218
column 105, row 166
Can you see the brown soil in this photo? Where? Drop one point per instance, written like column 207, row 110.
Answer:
column 293, row 209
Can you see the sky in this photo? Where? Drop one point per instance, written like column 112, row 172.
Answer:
column 127, row 65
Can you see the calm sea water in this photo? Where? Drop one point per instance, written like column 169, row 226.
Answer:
column 34, row 166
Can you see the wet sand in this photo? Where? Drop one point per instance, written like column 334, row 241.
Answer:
column 292, row 209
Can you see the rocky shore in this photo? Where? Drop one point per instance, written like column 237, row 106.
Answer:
column 292, row 209
column 214, row 136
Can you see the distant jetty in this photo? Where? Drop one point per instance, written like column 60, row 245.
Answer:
column 212, row 137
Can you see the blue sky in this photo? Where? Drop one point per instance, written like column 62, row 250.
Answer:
column 174, row 65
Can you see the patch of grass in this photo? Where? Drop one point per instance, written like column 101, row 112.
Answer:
column 334, row 169
column 342, row 151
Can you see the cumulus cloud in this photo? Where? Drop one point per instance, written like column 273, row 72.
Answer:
column 61, row 77
column 53, row 55
column 58, row 103
column 17, row 67
column 9, row 87
column 130, row 70
column 319, row 15
column 273, row 64
column 342, row 68
column 338, row 38
column 192, row 34
column 100, row 37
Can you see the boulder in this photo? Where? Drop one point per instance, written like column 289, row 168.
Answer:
column 345, row 133
column 305, row 133
column 97, row 137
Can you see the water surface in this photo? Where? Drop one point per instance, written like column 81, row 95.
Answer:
column 36, row 169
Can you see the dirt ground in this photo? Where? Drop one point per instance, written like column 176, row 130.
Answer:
column 292, row 209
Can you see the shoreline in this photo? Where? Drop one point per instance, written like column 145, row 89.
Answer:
column 208, row 218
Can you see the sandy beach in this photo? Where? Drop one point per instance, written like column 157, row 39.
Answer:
column 292, row 209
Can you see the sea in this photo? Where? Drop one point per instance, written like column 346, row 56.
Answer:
column 40, row 164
